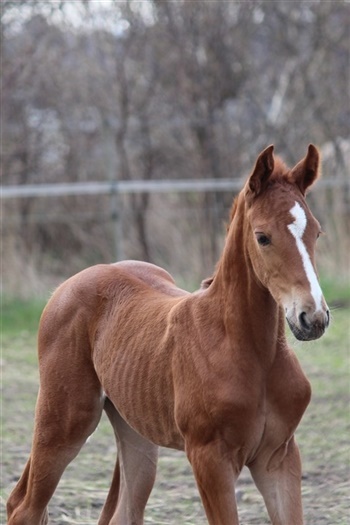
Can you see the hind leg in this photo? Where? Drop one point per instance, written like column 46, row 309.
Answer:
column 19, row 493
column 133, row 477
column 110, row 505
column 68, row 410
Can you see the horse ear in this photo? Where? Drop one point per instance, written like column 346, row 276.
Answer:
column 263, row 168
column 306, row 172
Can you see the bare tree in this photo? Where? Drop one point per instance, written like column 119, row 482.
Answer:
column 161, row 90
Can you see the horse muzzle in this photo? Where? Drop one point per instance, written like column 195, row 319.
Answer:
column 307, row 326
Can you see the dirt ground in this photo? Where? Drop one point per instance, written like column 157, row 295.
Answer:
column 323, row 437
column 174, row 500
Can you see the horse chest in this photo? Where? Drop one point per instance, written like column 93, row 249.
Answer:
column 245, row 406
column 286, row 396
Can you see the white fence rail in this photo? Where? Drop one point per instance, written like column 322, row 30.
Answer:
column 138, row 186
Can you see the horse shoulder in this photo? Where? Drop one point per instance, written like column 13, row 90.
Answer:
column 214, row 392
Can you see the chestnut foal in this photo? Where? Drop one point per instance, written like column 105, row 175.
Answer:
column 208, row 372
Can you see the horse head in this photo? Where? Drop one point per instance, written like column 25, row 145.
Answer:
column 281, row 236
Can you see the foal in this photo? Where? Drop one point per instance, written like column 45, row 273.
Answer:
column 209, row 372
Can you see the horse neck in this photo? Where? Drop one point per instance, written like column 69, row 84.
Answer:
column 249, row 312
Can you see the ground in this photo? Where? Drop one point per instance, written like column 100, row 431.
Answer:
column 323, row 437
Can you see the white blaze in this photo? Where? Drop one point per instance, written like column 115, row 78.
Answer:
column 297, row 229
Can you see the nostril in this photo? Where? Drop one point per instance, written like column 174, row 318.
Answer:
column 303, row 321
column 327, row 318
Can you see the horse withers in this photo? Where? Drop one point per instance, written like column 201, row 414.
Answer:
column 208, row 372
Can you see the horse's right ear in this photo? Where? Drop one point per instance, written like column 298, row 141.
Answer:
column 263, row 168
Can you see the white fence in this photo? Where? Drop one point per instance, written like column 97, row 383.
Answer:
column 138, row 186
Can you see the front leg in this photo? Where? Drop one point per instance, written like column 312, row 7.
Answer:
column 215, row 474
column 277, row 475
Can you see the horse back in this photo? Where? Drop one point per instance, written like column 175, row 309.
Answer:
column 155, row 277
column 83, row 300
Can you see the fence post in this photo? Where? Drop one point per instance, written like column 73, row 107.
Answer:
column 116, row 217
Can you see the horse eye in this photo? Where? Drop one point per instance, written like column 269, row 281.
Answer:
column 262, row 239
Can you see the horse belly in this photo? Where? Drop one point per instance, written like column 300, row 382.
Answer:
column 139, row 383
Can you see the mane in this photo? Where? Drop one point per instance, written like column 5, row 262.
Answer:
column 232, row 212
column 280, row 171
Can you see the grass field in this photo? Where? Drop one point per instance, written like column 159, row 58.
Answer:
column 323, row 437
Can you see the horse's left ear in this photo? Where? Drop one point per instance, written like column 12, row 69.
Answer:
column 306, row 172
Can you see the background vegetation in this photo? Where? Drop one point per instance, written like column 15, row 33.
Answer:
column 152, row 90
